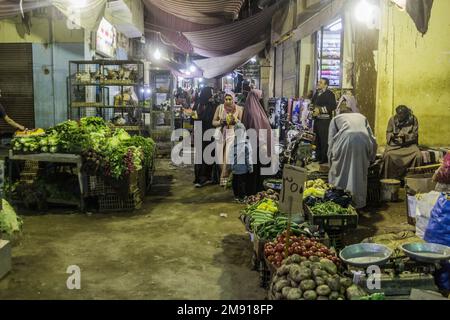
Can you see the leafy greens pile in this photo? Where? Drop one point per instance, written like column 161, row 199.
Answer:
column 112, row 152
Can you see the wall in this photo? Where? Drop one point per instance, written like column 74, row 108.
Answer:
column 50, row 90
column 415, row 71
column 12, row 30
column 306, row 58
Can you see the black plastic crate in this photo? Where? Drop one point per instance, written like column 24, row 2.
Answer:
column 373, row 191
column 333, row 222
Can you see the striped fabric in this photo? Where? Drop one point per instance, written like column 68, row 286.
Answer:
column 231, row 38
column 208, row 12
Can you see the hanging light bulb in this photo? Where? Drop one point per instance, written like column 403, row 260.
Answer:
column 188, row 72
column 192, row 68
column 253, row 60
column 157, row 54
column 364, row 11
column 200, row 79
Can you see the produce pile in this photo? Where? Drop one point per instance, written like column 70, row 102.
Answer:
column 9, row 221
column 269, row 194
column 309, row 248
column 113, row 153
column 313, row 278
column 317, row 191
column 266, row 222
column 331, row 208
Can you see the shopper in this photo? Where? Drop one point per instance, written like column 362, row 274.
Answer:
column 225, row 118
column 352, row 146
column 206, row 110
column 255, row 118
column 8, row 120
column 324, row 102
column 402, row 151
column 240, row 161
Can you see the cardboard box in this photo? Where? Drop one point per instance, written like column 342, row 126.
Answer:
column 420, row 183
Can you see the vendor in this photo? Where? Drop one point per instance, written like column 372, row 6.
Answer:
column 8, row 120
column 402, row 151
column 352, row 148
column 324, row 102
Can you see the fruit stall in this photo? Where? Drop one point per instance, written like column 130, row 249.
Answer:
column 86, row 163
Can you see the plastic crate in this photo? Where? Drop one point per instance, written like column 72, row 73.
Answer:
column 373, row 191
column 333, row 222
column 112, row 202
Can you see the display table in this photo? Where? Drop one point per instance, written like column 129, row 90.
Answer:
column 56, row 158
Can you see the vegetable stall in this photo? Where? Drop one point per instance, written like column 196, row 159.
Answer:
column 111, row 166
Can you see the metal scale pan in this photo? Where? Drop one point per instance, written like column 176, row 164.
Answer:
column 363, row 255
column 426, row 252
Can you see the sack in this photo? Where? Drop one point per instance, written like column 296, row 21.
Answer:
column 438, row 230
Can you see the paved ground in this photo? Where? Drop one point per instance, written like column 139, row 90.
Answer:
column 176, row 247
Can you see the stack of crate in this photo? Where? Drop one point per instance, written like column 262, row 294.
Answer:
column 30, row 171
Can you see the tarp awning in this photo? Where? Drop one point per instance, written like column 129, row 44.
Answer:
column 209, row 12
column 231, row 38
column 214, row 67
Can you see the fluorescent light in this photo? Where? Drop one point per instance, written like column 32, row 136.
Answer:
column 157, row 54
column 229, row 76
column 192, row 68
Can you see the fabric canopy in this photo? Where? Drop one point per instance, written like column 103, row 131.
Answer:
column 87, row 16
column 420, row 12
column 9, row 8
column 228, row 39
column 214, row 67
column 207, row 12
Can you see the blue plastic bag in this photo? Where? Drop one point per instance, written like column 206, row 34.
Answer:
column 438, row 230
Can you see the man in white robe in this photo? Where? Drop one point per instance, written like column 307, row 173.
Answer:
column 352, row 147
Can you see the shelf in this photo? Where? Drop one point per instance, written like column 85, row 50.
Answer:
column 100, row 84
column 107, row 107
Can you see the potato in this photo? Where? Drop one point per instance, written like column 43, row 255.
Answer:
column 294, row 284
column 306, row 264
column 355, row 292
column 307, row 285
column 334, row 295
column 346, row 282
column 280, row 285
column 319, row 281
column 310, row 295
column 314, row 259
column 295, row 258
column 319, row 273
column 322, row 298
column 285, row 292
column 334, row 283
column 303, row 259
column 305, row 274
column 323, row 290
column 328, row 266
column 294, row 294
column 283, row 270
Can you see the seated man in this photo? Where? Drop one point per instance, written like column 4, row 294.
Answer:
column 401, row 151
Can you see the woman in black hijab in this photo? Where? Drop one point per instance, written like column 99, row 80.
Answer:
column 206, row 110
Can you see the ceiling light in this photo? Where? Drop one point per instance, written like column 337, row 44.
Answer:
column 157, row 54
column 364, row 11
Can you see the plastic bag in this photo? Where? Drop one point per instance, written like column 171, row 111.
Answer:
column 438, row 230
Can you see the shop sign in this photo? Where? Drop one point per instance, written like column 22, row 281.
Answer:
column 106, row 39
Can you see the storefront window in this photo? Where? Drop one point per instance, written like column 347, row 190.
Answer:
column 329, row 53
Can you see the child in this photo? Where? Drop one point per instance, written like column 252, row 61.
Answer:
column 239, row 159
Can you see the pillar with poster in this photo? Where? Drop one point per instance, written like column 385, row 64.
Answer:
column 291, row 198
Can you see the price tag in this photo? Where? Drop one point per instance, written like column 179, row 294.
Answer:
column 292, row 188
